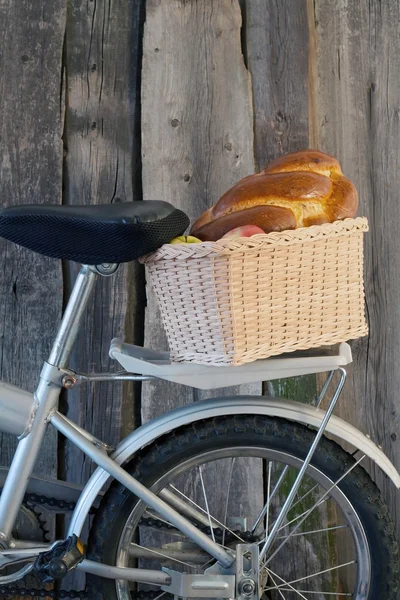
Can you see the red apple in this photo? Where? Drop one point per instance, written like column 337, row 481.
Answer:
column 244, row 231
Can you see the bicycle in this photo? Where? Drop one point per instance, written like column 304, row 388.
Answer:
column 157, row 530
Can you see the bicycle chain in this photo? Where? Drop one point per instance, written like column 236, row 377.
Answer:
column 49, row 503
column 13, row 592
column 42, row 522
column 35, row 502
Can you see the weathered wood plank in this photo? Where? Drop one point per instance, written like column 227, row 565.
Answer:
column 101, row 165
column 277, row 56
column 31, row 286
column 197, row 140
column 358, row 121
column 30, row 172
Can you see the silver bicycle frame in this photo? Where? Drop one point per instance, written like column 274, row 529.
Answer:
column 46, row 400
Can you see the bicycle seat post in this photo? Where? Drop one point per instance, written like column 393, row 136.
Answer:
column 72, row 317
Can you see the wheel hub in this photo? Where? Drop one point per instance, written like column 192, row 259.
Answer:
column 247, row 588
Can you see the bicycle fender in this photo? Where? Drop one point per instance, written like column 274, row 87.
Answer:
column 218, row 407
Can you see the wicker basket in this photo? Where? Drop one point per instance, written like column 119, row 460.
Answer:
column 232, row 302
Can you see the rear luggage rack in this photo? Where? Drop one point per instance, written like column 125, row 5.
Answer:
column 143, row 361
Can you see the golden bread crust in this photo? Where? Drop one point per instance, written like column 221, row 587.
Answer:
column 307, row 187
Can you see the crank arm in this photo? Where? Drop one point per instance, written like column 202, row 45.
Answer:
column 16, row 576
column 12, row 556
column 16, row 562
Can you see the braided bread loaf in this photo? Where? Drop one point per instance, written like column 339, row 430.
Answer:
column 297, row 190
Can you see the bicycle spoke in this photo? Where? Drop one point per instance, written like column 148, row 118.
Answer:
column 268, row 498
column 200, row 471
column 314, row 531
column 274, row 582
column 213, row 518
column 336, row 594
column 183, row 507
column 160, row 596
column 318, row 503
column 352, row 562
column 310, row 491
column 168, row 557
column 290, row 587
column 296, row 503
column 273, row 493
column 227, row 499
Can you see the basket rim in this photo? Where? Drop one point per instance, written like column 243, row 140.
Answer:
column 256, row 242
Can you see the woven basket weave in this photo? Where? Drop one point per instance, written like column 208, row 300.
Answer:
column 233, row 302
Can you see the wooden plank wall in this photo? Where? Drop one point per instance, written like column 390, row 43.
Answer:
column 227, row 85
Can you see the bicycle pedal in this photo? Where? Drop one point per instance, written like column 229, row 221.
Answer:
column 60, row 560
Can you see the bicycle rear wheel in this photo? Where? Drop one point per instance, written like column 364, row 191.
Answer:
column 235, row 473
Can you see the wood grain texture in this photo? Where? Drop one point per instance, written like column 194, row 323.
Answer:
column 358, row 75
column 277, row 56
column 102, row 160
column 31, row 115
column 197, row 141
column 102, row 165
column 277, row 51
column 30, row 172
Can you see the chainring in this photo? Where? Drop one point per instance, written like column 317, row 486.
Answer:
column 30, row 525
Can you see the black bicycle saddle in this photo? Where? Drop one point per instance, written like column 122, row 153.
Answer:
column 94, row 234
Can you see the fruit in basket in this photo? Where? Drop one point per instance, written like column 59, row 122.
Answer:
column 186, row 239
column 297, row 190
column 245, row 231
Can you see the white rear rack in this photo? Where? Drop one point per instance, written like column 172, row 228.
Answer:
column 143, row 361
